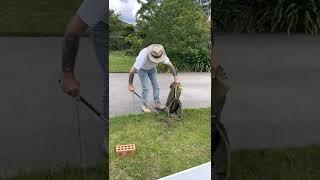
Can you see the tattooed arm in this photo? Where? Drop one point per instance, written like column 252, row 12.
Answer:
column 131, row 77
column 173, row 71
column 69, row 51
column 70, row 45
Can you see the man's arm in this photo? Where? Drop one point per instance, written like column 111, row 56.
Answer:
column 132, row 71
column 70, row 44
column 173, row 71
column 131, row 74
column 70, row 47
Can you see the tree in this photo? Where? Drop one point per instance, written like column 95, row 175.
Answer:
column 115, row 22
column 181, row 26
column 118, row 30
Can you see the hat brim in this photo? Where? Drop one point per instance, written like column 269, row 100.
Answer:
column 156, row 59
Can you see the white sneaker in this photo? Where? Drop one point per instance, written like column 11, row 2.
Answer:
column 145, row 109
column 159, row 106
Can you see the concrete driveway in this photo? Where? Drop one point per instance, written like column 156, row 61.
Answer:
column 196, row 91
column 275, row 97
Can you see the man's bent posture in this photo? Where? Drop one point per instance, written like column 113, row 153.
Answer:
column 145, row 65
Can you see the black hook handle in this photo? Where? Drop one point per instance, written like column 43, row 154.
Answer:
column 90, row 106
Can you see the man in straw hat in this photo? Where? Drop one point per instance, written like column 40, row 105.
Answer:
column 145, row 65
column 92, row 16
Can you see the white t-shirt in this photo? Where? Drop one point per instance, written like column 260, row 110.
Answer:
column 93, row 11
column 143, row 62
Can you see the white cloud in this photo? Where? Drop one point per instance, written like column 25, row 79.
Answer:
column 127, row 9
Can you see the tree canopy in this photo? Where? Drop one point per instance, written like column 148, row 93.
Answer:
column 182, row 26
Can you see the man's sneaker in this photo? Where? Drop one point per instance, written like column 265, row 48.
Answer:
column 159, row 106
column 145, row 109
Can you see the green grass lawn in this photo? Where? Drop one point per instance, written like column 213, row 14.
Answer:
column 162, row 148
column 34, row 17
column 300, row 163
column 91, row 173
column 119, row 62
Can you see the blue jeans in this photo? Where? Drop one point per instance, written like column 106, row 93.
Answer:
column 152, row 75
column 99, row 36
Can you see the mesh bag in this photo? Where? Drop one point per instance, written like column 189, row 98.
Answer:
column 173, row 104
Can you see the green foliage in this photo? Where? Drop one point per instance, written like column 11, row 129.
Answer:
column 295, row 15
column 118, row 31
column 291, row 16
column 134, row 43
column 182, row 27
column 115, row 24
column 127, row 30
column 195, row 60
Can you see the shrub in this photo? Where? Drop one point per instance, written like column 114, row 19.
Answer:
column 117, row 43
column 134, row 44
column 294, row 15
column 289, row 16
column 118, row 30
column 195, row 60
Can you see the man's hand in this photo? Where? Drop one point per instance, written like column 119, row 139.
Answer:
column 70, row 46
column 131, row 88
column 70, row 85
column 175, row 79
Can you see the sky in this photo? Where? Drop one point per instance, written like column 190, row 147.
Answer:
column 127, row 9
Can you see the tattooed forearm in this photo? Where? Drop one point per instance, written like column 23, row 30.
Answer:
column 131, row 76
column 173, row 70
column 69, row 51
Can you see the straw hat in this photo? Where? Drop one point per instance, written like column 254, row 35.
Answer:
column 156, row 53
